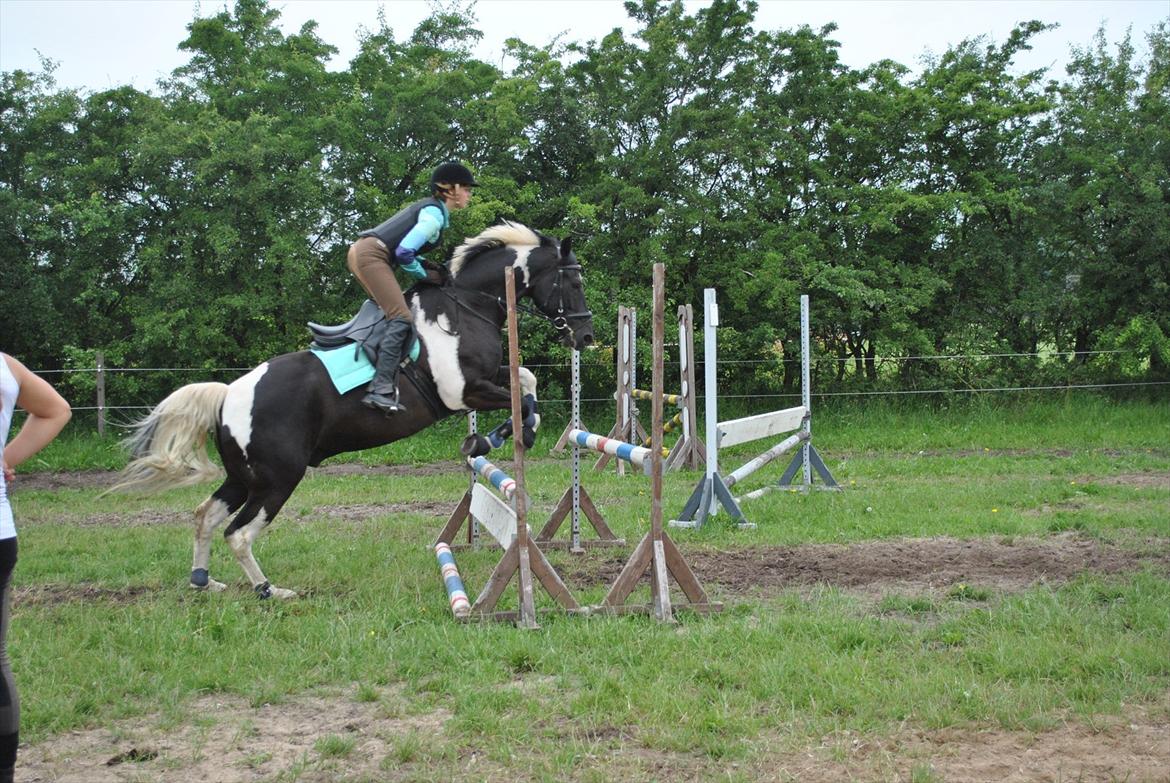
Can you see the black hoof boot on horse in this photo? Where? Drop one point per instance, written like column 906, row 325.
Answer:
column 383, row 390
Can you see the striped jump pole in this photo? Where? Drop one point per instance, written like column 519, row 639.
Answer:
column 498, row 478
column 667, row 428
column 667, row 399
column 635, row 455
column 456, row 594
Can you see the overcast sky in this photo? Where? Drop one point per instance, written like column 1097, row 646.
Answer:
column 104, row 43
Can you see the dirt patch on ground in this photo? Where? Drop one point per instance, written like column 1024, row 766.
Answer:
column 230, row 741
column 360, row 512
column 901, row 565
column 364, row 512
column 1154, row 479
column 318, row 739
column 64, row 479
column 871, row 568
column 53, row 594
column 1134, row 749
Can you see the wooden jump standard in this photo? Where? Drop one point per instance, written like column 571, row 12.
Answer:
column 687, row 451
column 656, row 551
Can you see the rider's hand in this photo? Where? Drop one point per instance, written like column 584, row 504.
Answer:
column 437, row 274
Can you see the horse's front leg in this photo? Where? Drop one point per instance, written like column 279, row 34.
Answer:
column 484, row 395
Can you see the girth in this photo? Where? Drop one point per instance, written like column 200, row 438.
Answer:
column 427, row 389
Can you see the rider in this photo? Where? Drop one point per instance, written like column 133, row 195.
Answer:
column 399, row 242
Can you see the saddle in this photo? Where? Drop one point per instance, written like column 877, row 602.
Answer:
column 365, row 330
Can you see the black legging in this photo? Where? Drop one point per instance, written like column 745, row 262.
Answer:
column 9, row 700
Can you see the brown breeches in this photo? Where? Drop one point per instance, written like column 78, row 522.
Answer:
column 369, row 260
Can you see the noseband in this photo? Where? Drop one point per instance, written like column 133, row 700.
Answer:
column 560, row 321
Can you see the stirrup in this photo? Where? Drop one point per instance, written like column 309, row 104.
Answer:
column 389, row 405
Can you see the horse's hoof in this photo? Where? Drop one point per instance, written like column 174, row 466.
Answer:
column 475, row 445
column 211, row 586
column 265, row 591
column 529, row 437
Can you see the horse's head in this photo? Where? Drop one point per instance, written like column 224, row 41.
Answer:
column 554, row 282
column 551, row 276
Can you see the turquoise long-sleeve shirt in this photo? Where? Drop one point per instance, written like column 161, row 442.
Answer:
column 431, row 222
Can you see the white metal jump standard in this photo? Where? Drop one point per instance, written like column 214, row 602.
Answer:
column 626, row 427
column 574, row 503
column 714, row 490
column 509, row 525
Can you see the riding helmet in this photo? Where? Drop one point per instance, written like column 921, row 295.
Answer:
column 453, row 174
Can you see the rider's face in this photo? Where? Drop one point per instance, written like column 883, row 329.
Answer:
column 458, row 197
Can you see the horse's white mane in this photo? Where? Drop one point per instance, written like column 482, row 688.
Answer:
column 507, row 233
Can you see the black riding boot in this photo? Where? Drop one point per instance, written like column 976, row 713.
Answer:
column 383, row 390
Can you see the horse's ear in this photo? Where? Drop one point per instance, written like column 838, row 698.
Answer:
column 566, row 247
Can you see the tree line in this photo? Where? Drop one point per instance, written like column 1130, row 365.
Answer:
column 967, row 209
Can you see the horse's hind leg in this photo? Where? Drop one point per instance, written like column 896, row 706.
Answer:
column 220, row 505
column 246, row 528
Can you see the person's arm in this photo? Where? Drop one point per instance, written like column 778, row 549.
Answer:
column 48, row 413
column 430, row 223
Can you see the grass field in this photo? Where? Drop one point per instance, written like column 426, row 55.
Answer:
column 986, row 600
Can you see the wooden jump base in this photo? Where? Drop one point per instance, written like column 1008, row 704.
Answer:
column 688, row 449
column 713, row 489
column 508, row 524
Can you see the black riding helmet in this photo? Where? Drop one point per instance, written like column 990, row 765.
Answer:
column 452, row 174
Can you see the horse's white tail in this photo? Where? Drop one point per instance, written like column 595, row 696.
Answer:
column 169, row 446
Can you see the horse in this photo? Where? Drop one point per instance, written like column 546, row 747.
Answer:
column 285, row 415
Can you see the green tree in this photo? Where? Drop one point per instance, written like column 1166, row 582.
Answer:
column 1106, row 201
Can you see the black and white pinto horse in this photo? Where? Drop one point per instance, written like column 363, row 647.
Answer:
column 285, row 415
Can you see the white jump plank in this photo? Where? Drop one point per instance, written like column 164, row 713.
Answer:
column 763, row 425
column 494, row 514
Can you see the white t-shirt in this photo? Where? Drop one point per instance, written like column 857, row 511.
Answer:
column 9, row 391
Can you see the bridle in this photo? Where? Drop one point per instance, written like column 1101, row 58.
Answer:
column 560, row 320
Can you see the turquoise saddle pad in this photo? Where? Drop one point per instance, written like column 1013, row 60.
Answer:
column 349, row 368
